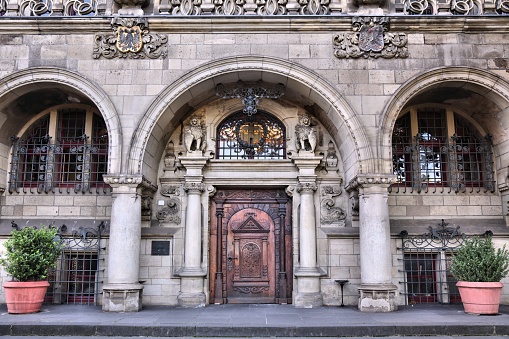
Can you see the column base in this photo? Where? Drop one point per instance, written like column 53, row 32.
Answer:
column 308, row 300
column 122, row 298
column 191, row 300
column 377, row 298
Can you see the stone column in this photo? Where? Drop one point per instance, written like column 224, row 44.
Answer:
column 192, row 274
column 308, row 274
column 123, row 292
column 377, row 293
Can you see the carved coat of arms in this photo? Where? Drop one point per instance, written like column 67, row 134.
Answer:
column 129, row 39
column 371, row 37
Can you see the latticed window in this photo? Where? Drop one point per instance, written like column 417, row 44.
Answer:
column 65, row 150
column 259, row 136
column 438, row 150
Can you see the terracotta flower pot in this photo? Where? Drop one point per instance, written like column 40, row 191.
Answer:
column 480, row 297
column 25, row 297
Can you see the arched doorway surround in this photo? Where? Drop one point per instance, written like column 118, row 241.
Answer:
column 164, row 114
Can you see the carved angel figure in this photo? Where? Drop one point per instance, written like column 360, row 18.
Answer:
column 194, row 135
column 306, row 135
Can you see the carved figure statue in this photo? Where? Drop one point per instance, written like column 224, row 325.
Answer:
column 194, row 135
column 306, row 135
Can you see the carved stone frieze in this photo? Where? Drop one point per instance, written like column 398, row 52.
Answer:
column 371, row 39
column 331, row 214
column 130, row 39
column 186, row 7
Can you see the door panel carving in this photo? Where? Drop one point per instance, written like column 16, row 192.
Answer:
column 250, row 247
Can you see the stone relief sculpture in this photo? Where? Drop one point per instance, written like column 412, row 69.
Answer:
column 171, row 210
column 194, row 135
column 306, row 135
column 331, row 214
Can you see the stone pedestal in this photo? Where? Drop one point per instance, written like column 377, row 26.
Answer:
column 308, row 292
column 377, row 293
column 123, row 292
column 192, row 275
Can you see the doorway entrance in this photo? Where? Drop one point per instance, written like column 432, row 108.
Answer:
column 251, row 247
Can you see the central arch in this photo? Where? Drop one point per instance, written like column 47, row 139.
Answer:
column 197, row 87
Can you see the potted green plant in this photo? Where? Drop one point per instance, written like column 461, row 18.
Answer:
column 30, row 254
column 479, row 267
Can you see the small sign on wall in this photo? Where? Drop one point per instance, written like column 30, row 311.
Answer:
column 160, row 248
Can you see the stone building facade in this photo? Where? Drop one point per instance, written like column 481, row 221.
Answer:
column 256, row 151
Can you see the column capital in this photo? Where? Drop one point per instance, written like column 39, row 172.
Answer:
column 129, row 180
column 194, row 187
column 307, row 187
column 371, row 180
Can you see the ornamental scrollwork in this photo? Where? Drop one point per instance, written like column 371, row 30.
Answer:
column 36, row 8
column 271, row 7
column 420, row 7
column 314, row 7
column 331, row 214
column 80, row 7
column 371, row 39
column 168, row 190
column 229, row 7
column 130, row 39
column 186, row 7
column 502, row 6
column 170, row 212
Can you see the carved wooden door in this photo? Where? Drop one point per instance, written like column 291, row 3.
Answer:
column 251, row 247
column 250, row 274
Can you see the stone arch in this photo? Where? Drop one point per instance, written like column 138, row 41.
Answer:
column 172, row 104
column 481, row 83
column 22, row 82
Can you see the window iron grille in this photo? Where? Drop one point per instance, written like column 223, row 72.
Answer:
column 426, row 262
column 260, row 136
column 74, row 164
column 77, row 279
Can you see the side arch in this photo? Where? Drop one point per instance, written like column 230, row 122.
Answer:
column 199, row 85
column 489, row 86
column 19, row 83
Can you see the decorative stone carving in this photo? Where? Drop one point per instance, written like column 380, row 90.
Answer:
column 250, row 95
column 307, row 188
column 169, row 156
column 194, row 187
column 168, row 191
column 306, row 135
column 131, row 7
column 370, row 39
column 229, row 7
column 271, row 7
column 146, row 205
column 194, row 135
column 314, row 7
column 329, row 213
column 185, row 7
column 130, row 39
column 80, row 7
column 35, row 8
column 170, row 213
column 502, row 6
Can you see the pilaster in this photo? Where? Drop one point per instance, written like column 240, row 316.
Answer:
column 377, row 293
column 123, row 292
